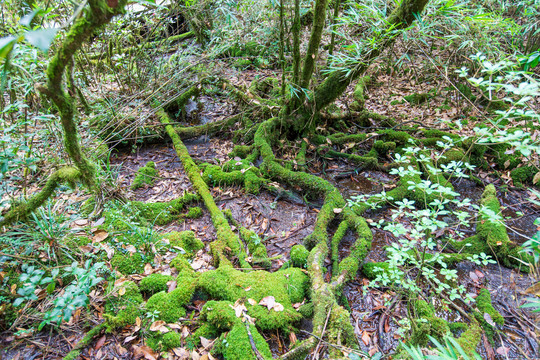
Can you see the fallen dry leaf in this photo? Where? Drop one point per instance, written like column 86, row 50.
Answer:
column 99, row 235
column 365, row 338
column 268, row 301
column 159, row 326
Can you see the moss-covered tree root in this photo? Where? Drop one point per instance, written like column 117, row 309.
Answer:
column 338, row 329
column 491, row 237
column 83, row 28
column 225, row 236
column 21, row 211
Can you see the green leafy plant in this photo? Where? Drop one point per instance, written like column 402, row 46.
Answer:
column 75, row 295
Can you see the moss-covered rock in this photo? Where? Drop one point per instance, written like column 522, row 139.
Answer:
column 146, row 175
column 286, row 286
column 372, row 269
column 168, row 306
column 236, row 345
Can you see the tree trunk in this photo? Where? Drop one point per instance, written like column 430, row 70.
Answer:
column 336, row 83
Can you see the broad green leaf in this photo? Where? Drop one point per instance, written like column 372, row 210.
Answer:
column 6, row 45
column 42, row 38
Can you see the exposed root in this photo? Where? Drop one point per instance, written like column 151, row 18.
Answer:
column 225, row 236
column 21, row 211
column 323, row 294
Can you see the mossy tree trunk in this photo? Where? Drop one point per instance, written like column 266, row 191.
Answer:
column 98, row 14
column 299, row 112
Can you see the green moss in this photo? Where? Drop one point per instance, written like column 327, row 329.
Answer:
column 162, row 213
column 146, row 175
column 206, row 330
column 438, row 327
column 470, row 339
column 299, row 255
column 417, row 99
column 306, row 310
column 287, row 286
column 456, row 327
column 483, row 302
column 21, row 211
column 154, row 283
column 225, row 236
column 185, row 240
column 164, row 342
column 181, row 264
column 372, row 269
column 128, row 263
column 502, row 159
column 452, row 155
column 491, row 237
column 236, row 344
column 524, row 175
column 169, row 306
column 123, row 310
column 194, row 212
column 220, row 314
column 358, row 94
column 242, row 64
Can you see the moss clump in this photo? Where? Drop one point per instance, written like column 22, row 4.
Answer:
column 416, row 99
column 181, row 264
column 524, row 175
column 124, row 309
column 358, row 94
column 437, row 327
column 194, row 213
column 384, row 147
column 162, row 213
column 220, row 314
column 502, row 159
column 128, row 263
column 167, row 305
column 452, row 155
column 185, row 240
column 299, row 255
column 242, row 64
column 164, row 342
column 306, row 310
column 484, row 304
column 236, row 345
column 154, row 283
column 491, row 236
column 286, row 286
column 470, row 339
column 372, row 269
column 146, row 175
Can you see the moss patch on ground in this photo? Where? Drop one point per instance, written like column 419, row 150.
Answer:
column 146, row 175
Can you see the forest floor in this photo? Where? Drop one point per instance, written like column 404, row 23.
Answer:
column 282, row 223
